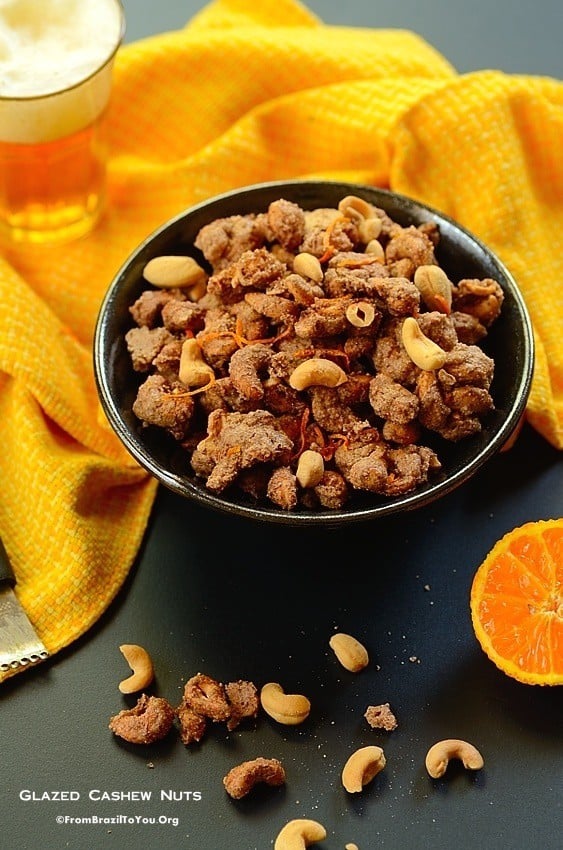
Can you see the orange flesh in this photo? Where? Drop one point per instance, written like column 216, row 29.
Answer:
column 517, row 603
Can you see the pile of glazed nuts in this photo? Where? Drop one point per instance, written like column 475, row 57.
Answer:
column 152, row 718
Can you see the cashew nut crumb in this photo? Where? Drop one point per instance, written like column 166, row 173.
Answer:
column 381, row 717
column 439, row 755
column 150, row 720
column 351, row 846
column 244, row 701
column 240, row 780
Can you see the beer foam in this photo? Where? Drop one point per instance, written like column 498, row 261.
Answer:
column 50, row 48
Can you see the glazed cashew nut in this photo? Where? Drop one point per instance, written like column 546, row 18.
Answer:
column 440, row 754
column 310, row 468
column 350, row 652
column 140, row 663
column 317, row 372
column 298, row 834
column 307, row 265
column 435, row 288
column 170, row 272
column 194, row 371
column 423, row 352
column 289, row 709
column 361, row 768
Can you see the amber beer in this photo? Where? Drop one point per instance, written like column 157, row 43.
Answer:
column 56, row 59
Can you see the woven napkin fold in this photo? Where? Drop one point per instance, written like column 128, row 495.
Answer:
column 246, row 94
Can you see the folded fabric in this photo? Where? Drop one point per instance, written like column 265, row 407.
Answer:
column 249, row 93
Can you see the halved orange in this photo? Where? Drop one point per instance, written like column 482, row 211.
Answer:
column 517, row 603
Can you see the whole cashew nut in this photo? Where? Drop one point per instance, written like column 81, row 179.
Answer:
column 439, row 755
column 317, row 372
column 140, row 663
column 423, row 352
column 194, row 371
column 289, row 709
column 310, row 468
column 298, row 834
column 355, row 208
column 307, row 265
column 435, row 288
column 169, row 272
column 350, row 652
column 361, row 768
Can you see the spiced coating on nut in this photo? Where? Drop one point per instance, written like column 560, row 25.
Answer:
column 240, row 780
column 207, row 697
column 244, row 701
column 192, row 725
column 150, row 720
column 164, row 404
column 381, row 717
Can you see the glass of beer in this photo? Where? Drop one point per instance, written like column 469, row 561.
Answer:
column 56, row 59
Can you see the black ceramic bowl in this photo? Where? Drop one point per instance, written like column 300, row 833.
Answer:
column 462, row 255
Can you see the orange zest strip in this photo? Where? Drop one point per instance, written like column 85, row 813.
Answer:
column 317, row 434
column 240, row 340
column 335, row 442
column 330, row 250
column 302, row 429
column 202, row 389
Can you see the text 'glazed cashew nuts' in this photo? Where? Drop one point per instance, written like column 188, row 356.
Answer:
column 423, row 352
column 299, row 833
column 361, row 768
column 350, row 652
column 439, row 755
column 140, row 663
column 317, row 372
column 289, row 709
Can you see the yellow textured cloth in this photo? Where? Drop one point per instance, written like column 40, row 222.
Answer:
column 249, row 93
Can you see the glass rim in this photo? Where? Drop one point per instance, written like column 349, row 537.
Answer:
column 28, row 98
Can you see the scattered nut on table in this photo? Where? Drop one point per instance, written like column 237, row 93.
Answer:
column 440, row 754
column 289, row 709
column 242, row 778
column 150, row 720
column 361, row 767
column 350, row 652
column 141, row 664
column 298, row 834
column 205, row 699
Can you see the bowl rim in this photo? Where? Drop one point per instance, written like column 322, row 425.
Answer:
column 407, row 502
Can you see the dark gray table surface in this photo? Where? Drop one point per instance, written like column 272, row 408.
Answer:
column 238, row 600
